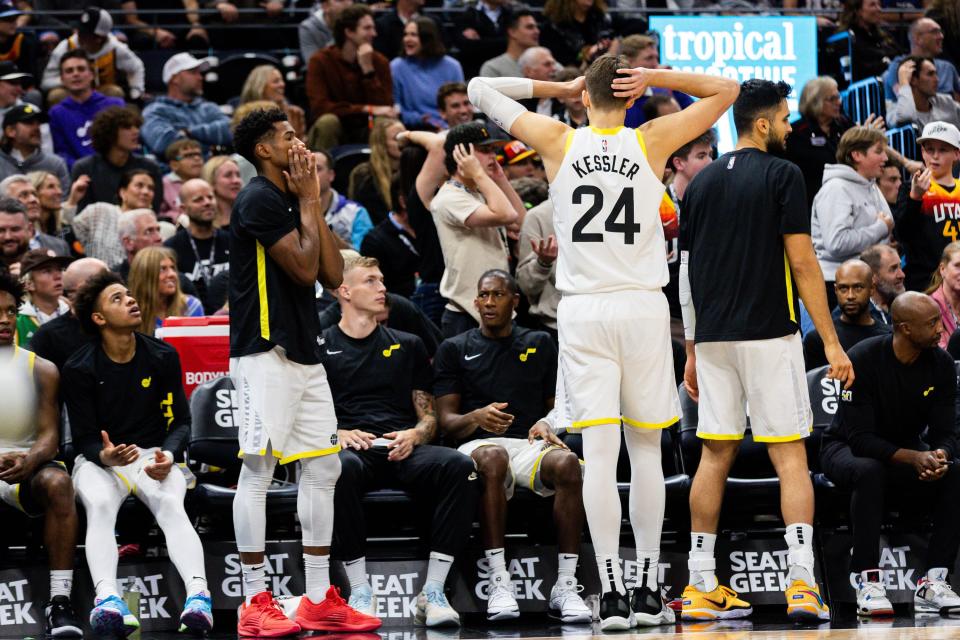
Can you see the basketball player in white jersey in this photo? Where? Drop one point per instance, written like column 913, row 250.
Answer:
column 614, row 323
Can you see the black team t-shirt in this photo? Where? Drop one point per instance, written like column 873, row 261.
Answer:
column 735, row 213
column 520, row 370
column 267, row 308
column 372, row 379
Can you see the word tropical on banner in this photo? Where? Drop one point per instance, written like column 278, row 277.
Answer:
column 740, row 48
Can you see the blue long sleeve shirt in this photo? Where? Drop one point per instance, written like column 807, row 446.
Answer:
column 164, row 118
column 415, row 85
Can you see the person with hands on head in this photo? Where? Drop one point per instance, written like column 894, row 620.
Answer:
column 31, row 480
column 895, row 432
column 381, row 383
column 493, row 385
column 129, row 448
column 917, row 99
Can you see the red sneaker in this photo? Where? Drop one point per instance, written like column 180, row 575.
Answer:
column 263, row 618
column 333, row 614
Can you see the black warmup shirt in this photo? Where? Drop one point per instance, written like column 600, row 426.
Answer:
column 403, row 316
column 372, row 379
column 267, row 308
column 428, row 242
column 891, row 404
column 59, row 339
column 202, row 259
column 735, row 213
column 140, row 402
column 849, row 335
column 520, row 370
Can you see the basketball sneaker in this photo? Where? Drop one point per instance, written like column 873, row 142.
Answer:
column 197, row 616
column 566, row 604
column 263, row 618
column 872, row 598
column 649, row 608
column 804, row 602
column 615, row 612
column 363, row 601
column 111, row 617
column 720, row 604
column 60, row 620
column 501, row 602
column 433, row 609
column 333, row 614
column 935, row 596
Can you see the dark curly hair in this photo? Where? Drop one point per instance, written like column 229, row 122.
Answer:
column 758, row 99
column 86, row 303
column 253, row 129
column 12, row 286
column 103, row 131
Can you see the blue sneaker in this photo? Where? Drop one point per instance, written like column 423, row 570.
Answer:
column 197, row 616
column 433, row 609
column 363, row 600
column 111, row 617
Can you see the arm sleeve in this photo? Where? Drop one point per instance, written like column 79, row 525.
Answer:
column 857, row 418
column 687, row 311
column 446, row 372
column 942, row 422
column 497, row 97
column 79, row 395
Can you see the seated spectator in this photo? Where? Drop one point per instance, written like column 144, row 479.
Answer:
column 53, row 208
column 137, row 230
column 150, row 427
column 265, row 82
column 223, row 174
column 523, row 32
column 31, row 481
column 891, row 180
column 72, row 117
column 155, row 283
column 11, row 86
column 369, row 183
column 926, row 41
column 855, row 323
column 944, row 289
column 888, row 280
column 873, row 46
column 18, row 47
column 491, row 403
column 419, row 72
column 643, row 51
column 454, row 105
column 348, row 83
column 393, row 244
column 520, row 161
column 115, row 136
column 348, row 220
column 573, row 112
column 316, row 31
column 917, row 99
column 390, row 25
column 185, row 157
column 849, row 212
column 41, row 273
column 895, row 432
column 481, row 28
column 22, row 190
column 183, row 113
column 382, row 389
column 15, row 235
column 577, row 32
column 20, row 150
column 537, row 63
column 472, row 211
column 114, row 64
column 96, row 225
column 945, row 14
column 928, row 209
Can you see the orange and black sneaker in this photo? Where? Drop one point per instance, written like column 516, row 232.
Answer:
column 263, row 618
column 805, row 603
column 333, row 614
column 720, row 604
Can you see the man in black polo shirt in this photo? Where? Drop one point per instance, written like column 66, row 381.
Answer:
column 895, row 429
column 382, row 390
column 280, row 246
column 855, row 322
column 493, row 386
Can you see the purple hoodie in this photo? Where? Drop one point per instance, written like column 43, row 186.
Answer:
column 70, row 125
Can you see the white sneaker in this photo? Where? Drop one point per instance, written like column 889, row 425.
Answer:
column 433, row 609
column 935, row 596
column 363, row 600
column 566, row 604
column 501, row 603
column 872, row 596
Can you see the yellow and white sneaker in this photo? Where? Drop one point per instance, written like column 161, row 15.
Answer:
column 720, row 604
column 805, row 603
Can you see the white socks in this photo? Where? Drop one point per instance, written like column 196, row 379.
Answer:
column 317, row 575
column 497, row 559
column 195, row 585
column 701, row 563
column 648, row 568
column 254, row 579
column 438, row 568
column 799, row 537
column 61, row 582
column 567, row 566
column 356, row 571
column 611, row 573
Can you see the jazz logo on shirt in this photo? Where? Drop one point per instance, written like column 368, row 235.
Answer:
column 526, row 354
column 145, row 383
column 389, row 350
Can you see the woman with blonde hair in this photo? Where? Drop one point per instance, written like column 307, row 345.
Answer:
column 370, row 181
column 155, row 283
column 945, row 290
column 55, row 212
column 265, row 82
column 223, row 174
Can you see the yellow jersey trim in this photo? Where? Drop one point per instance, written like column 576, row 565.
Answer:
column 607, row 132
column 316, row 453
column 643, row 145
column 593, row 423
column 791, row 438
column 720, row 436
column 651, row 425
column 789, row 282
column 262, row 291
column 568, row 142
column 538, row 462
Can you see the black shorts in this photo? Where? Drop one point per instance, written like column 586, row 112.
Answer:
column 20, row 496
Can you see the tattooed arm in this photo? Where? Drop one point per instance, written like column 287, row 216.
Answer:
column 422, row 433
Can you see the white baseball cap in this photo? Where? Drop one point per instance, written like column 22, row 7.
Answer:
column 184, row 62
column 942, row 131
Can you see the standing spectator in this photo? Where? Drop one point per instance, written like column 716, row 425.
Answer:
column 21, row 189
column 265, row 82
column 96, row 225
column 480, row 29
column 523, row 32
column 72, row 118
column 347, row 219
column 41, row 272
column 537, row 266
column 917, row 99
column 11, row 86
column 944, row 289
column 138, row 229
column 390, row 25
column 454, row 104
column 185, row 157
column 643, row 51
column 393, row 244
column 115, row 136
column 53, row 208
column 873, row 46
column 21, row 151
column 223, row 174
column 316, row 31
column 419, row 72
column 18, row 47
column 888, row 279
column 926, row 41
column 155, row 284
column 114, row 64
column 370, row 181
column 183, row 113
column 472, row 211
column 348, row 83
column 577, row 32
column 849, row 212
